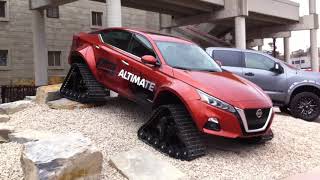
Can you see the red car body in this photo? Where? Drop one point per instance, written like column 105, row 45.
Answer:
column 164, row 80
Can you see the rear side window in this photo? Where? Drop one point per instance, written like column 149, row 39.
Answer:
column 258, row 61
column 140, row 46
column 228, row 58
column 119, row 39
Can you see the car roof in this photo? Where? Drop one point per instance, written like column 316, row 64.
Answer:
column 154, row 35
column 210, row 49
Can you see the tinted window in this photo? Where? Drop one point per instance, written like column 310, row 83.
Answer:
column 140, row 46
column 119, row 39
column 257, row 61
column 228, row 58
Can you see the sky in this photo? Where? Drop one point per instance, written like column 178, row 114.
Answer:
column 299, row 39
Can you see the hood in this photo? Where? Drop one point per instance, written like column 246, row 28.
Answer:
column 309, row 74
column 224, row 85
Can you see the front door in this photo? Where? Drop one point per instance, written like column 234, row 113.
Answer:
column 259, row 69
column 145, row 78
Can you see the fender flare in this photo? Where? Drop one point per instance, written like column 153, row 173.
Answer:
column 296, row 85
column 88, row 56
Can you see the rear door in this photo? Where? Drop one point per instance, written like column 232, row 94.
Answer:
column 111, row 59
column 231, row 60
column 259, row 69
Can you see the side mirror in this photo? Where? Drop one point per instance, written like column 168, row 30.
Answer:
column 278, row 68
column 148, row 59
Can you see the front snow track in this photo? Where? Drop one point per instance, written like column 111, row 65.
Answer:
column 172, row 131
column 80, row 85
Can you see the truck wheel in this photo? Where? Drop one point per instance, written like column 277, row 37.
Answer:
column 172, row 131
column 305, row 105
column 285, row 109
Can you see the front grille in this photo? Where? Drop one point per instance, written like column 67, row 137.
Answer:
column 253, row 121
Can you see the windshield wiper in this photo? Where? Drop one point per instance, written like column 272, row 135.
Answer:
column 208, row 70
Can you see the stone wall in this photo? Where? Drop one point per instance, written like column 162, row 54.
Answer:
column 16, row 34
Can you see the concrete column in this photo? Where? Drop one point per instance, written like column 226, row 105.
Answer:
column 40, row 51
column 313, row 39
column 165, row 21
column 114, row 16
column 240, row 32
column 114, row 19
column 314, row 50
column 286, row 47
column 260, row 48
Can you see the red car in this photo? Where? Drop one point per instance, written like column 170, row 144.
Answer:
column 189, row 93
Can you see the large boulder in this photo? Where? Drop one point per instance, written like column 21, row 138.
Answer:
column 4, row 133
column 140, row 164
column 4, row 118
column 48, row 93
column 67, row 104
column 69, row 156
column 29, row 135
column 13, row 107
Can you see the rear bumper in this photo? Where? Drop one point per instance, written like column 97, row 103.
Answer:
column 232, row 125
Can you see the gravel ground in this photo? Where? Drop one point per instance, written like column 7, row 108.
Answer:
column 113, row 128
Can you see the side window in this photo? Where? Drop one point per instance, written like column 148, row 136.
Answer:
column 140, row 46
column 119, row 39
column 228, row 58
column 258, row 61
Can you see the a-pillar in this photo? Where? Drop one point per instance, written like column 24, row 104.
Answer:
column 114, row 17
column 286, row 48
column 240, row 32
column 313, row 39
column 40, row 52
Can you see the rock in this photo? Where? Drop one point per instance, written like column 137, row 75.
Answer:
column 30, row 98
column 140, row 164
column 13, row 107
column 4, row 118
column 29, row 135
column 69, row 156
column 48, row 93
column 67, row 104
column 4, row 133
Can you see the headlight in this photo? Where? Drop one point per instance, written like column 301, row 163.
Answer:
column 215, row 102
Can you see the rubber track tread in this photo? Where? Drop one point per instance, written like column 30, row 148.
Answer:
column 187, row 131
column 95, row 91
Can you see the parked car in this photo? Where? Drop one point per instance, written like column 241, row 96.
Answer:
column 294, row 91
column 187, row 89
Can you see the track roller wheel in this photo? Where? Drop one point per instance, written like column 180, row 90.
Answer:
column 172, row 131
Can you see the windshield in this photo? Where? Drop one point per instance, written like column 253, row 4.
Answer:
column 187, row 56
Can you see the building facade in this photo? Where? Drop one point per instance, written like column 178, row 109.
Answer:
column 16, row 43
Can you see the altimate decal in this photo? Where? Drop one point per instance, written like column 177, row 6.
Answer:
column 137, row 80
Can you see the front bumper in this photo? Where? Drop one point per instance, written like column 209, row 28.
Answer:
column 232, row 125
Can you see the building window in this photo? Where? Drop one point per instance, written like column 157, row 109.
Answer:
column 53, row 12
column 4, row 10
column 54, row 58
column 96, row 18
column 4, row 58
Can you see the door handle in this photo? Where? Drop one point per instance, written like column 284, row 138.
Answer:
column 249, row 74
column 125, row 62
